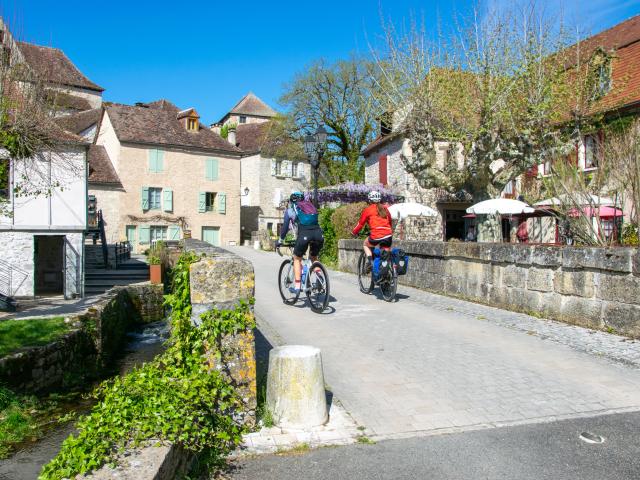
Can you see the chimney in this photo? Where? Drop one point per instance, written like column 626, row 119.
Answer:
column 231, row 137
column 215, row 128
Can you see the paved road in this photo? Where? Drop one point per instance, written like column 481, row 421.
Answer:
column 409, row 369
column 529, row 452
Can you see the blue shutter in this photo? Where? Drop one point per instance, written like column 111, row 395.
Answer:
column 174, row 232
column 144, row 234
column 159, row 160
column 168, row 200
column 222, row 202
column 202, row 202
column 211, row 168
column 144, row 199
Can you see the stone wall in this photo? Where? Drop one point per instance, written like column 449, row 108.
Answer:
column 220, row 280
column 98, row 337
column 591, row 287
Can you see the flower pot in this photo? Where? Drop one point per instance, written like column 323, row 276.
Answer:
column 155, row 273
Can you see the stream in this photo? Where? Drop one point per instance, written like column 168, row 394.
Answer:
column 25, row 464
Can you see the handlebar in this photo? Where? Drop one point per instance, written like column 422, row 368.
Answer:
column 286, row 244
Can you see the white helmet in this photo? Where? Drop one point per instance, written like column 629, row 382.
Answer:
column 374, row 197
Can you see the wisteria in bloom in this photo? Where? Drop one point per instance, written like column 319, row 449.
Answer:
column 353, row 193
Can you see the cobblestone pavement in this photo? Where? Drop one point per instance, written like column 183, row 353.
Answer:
column 430, row 364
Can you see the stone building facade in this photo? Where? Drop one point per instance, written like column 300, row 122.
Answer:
column 165, row 174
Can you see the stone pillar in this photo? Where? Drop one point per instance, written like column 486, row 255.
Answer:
column 295, row 387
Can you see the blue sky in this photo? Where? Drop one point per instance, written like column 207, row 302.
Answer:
column 209, row 54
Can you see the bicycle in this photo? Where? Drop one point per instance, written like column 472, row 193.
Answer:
column 387, row 280
column 315, row 284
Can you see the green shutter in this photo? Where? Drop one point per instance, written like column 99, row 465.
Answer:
column 211, row 168
column 167, row 200
column 222, row 202
column 159, row 160
column 144, row 234
column 144, row 199
column 202, row 202
column 174, row 232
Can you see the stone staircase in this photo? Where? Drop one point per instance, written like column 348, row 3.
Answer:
column 99, row 278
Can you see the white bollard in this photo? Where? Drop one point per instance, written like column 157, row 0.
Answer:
column 256, row 245
column 295, row 387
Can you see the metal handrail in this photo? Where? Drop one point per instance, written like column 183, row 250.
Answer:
column 11, row 274
column 103, row 240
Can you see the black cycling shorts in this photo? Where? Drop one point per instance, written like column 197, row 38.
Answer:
column 381, row 242
column 311, row 238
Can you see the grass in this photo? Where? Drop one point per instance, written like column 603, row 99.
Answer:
column 363, row 439
column 16, row 334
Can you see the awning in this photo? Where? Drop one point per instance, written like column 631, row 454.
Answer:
column 601, row 212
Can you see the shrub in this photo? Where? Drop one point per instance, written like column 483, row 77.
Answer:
column 630, row 235
column 329, row 252
column 346, row 217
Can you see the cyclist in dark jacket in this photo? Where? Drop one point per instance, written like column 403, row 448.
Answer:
column 303, row 216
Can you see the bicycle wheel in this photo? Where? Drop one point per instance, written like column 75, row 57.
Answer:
column 286, row 279
column 318, row 292
column 389, row 286
column 365, row 279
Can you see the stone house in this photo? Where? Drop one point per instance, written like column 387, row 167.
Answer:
column 43, row 235
column 266, row 182
column 159, row 173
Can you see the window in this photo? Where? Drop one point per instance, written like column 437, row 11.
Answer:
column 294, row 170
column 192, row 124
column 509, row 191
column 450, row 159
column 243, row 119
column 591, row 152
column 5, row 180
column 604, row 79
column 210, row 200
column 156, row 160
column 158, row 232
column 270, row 228
column 278, row 168
column 382, row 166
column 155, row 198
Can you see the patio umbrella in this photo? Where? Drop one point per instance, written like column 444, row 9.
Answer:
column 410, row 209
column 602, row 212
column 502, row 206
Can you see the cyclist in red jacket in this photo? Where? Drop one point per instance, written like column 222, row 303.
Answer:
column 377, row 216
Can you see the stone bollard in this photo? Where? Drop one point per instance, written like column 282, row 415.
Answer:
column 295, row 387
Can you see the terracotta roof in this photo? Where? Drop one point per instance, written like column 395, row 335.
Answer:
column 250, row 104
column 100, row 168
column 62, row 100
column 79, row 122
column 250, row 136
column 140, row 124
column 54, row 66
column 163, row 104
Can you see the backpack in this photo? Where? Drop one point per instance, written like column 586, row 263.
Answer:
column 306, row 213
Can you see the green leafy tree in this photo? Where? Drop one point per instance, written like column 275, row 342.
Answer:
column 337, row 96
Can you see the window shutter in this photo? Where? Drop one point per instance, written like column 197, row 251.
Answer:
column 144, row 234
column 174, row 232
column 144, row 204
column 211, row 168
column 273, row 168
column 159, row 160
column 168, row 200
column 222, row 202
column 382, row 166
column 152, row 160
column 301, row 170
column 287, row 168
column 202, row 202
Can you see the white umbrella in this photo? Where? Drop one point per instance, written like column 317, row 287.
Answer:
column 502, row 206
column 588, row 199
column 410, row 209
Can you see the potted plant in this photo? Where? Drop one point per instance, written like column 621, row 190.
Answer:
column 155, row 268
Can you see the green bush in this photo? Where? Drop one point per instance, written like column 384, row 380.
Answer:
column 346, row 217
column 329, row 252
column 630, row 235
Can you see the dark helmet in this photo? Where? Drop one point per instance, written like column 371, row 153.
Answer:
column 296, row 197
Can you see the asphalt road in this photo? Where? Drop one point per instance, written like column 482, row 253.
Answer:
column 550, row 451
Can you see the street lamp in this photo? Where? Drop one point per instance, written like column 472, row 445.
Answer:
column 314, row 147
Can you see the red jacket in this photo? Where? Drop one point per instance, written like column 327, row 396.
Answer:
column 380, row 227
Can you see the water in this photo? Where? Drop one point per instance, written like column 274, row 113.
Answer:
column 144, row 344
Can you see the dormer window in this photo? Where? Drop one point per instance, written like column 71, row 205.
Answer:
column 192, row 124
column 189, row 119
column 604, row 79
column 243, row 119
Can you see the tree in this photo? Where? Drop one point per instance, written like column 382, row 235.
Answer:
column 337, row 96
column 503, row 89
